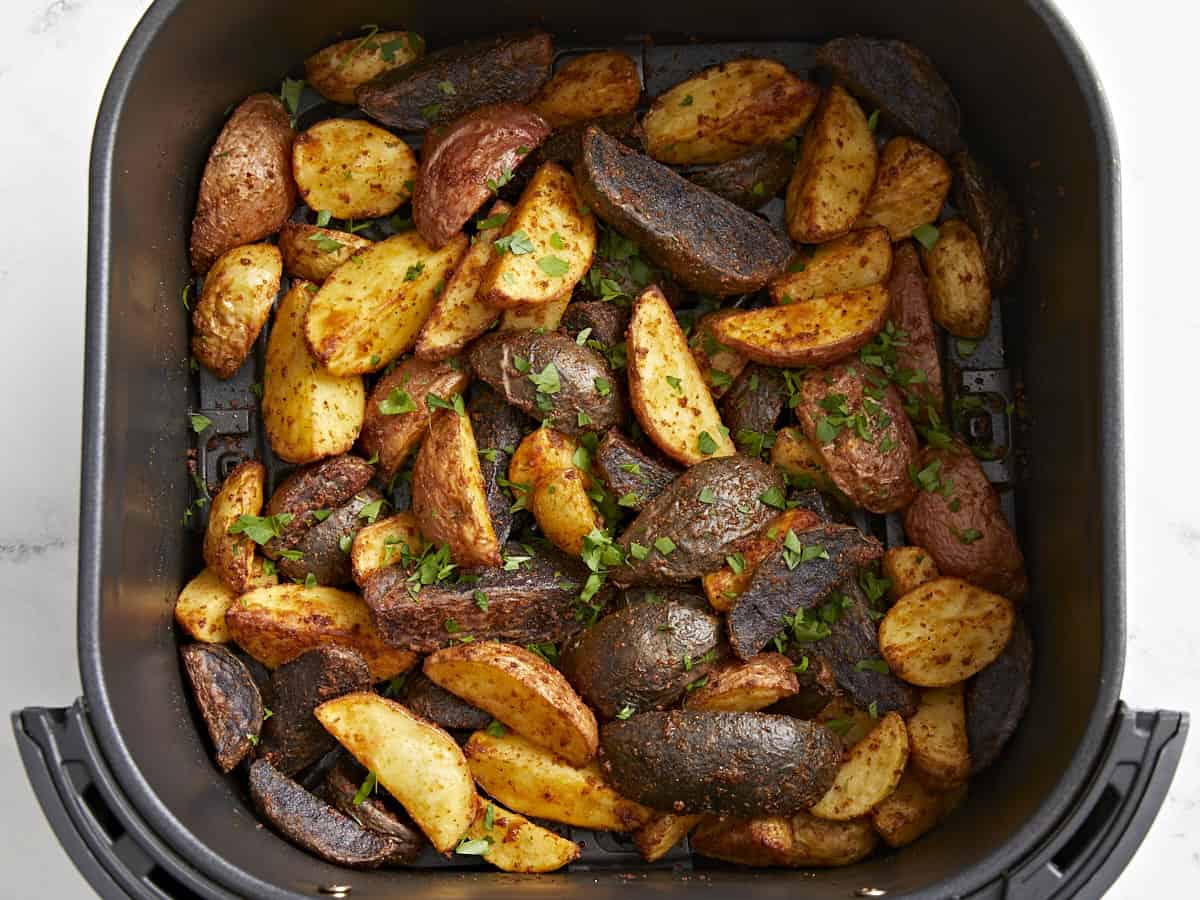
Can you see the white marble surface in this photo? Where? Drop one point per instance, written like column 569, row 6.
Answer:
column 55, row 61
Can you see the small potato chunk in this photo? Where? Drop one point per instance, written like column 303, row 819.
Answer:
column 517, row 845
column 666, row 388
column 555, row 489
column 418, row 763
column 234, row 306
column 727, row 583
column 959, row 296
column 231, row 556
column 937, row 737
column 849, row 263
column 200, row 608
column 655, row 839
column 589, row 87
column 723, row 111
column 907, row 568
column 228, row 699
column 910, row 189
column 339, row 68
column 800, row 460
column 720, row 365
column 543, row 316
column 523, row 691
column 944, row 632
column 870, row 773
column 832, row 183
column 801, row 841
column 382, row 544
column 313, row 253
column 912, row 809
column 353, row 169
column 747, row 686
column 845, row 719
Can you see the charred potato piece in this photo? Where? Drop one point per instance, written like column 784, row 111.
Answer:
column 228, row 699
column 632, row 476
column 498, row 430
column 749, row 179
column 798, row 458
column 312, row 252
column 337, row 70
column 849, row 263
column 996, row 698
column 589, row 86
column 937, row 738
column 231, row 555
column 799, row 841
column 441, row 707
column 748, row 686
column 959, row 297
column 384, row 543
column 907, row 568
column 992, row 215
column 324, row 549
column 869, row 774
column 604, row 322
column 918, row 352
column 535, row 316
column 309, row 492
column 754, row 404
column 342, row 784
column 727, row 583
column 353, row 169
column 555, row 490
column 246, row 192
column 910, row 189
column 234, row 306
column 720, row 364
column 655, row 839
column 912, row 809
column 201, row 605
column 517, row 845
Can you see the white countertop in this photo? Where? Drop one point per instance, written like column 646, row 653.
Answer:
column 55, row 61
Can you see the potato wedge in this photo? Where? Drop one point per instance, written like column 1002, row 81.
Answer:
column 536, row 782
column 590, row 86
column 811, row 333
column 912, row 809
column 536, row 316
column 721, row 112
column 944, row 632
column 231, row 556
column 666, row 388
column 907, row 568
column 832, row 183
column 228, row 699
column 312, row 253
column 798, row 458
column 993, row 215
column 910, row 189
column 517, row 845
column 201, row 605
column 448, row 496
column 799, row 841
column 418, row 763
column 655, row 839
column 276, row 624
column 727, row 583
column 747, row 686
column 751, row 179
column 353, row 169
column 234, row 306
column 523, row 691
column 937, row 738
column 870, row 773
column 849, row 263
column 382, row 544
column 845, row 719
column 549, row 240
column 308, row 413
column 959, row 296
column 720, row 365
column 555, row 489
column 338, row 69
column 368, row 312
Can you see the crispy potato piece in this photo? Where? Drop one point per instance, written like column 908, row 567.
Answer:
column 937, row 737
column 544, row 316
column 726, row 584
column 523, row 691
column 721, row 365
column 231, row 556
column 368, row 312
column 721, row 112
column 556, row 491
column 992, row 214
column 832, row 182
column 228, row 699
column 801, row 841
column 924, row 391
column 812, row 333
column 418, row 763
column 666, row 388
column 516, row 844
column 959, row 296
column 234, row 306
column 869, row 774
column 381, row 544
column 339, row 68
column 448, row 493
column 910, row 189
column 907, row 568
column 534, row 781
column 200, row 608
column 854, row 261
column 747, row 686
column 750, row 179
column 799, row 458
column 352, row 168
column 912, row 809
column 944, row 632
column 276, row 624
column 560, row 232
column 307, row 412
column 313, row 253
column 655, row 839
column 589, row 87
column 850, row 722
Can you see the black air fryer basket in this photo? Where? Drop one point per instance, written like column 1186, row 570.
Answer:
column 124, row 775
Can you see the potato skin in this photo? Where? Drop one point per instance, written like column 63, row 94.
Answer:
column 751, row 179
column 649, row 479
column 320, row 546
column 607, row 321
column 565, row 145
column 910, row 313
column 440, row 706
column 229, row 701
column 324, row 485
column 498, row 428
column 993, row 216
column 234, row 307
column 996, row 698
column 247, row 191
column 588, row 87
column 754, row 402
column 799, row 841
column 376, row 814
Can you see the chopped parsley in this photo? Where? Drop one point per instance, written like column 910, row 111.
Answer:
column 260, row 529
column 705, row 444
column 927, row 234
column 396, row 403
column 554, row 266
column 517, row 243
column 199, row 422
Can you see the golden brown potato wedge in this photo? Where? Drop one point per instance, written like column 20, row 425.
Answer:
column 727, row 583
column 234, row 306
column 811, row 333
column 959, row 296
column 382, row 544
column 313, row 253
column 720, row 365
column 802, row 841
column 517, row 845
column 833, row 179
column 418, row 763
column 848, row 721
column 910, row 189
column 368, row 312
column 548, row 243
column 937, row 738
column 870, row 773
column 523, row 691
column 666, row 387
column 231, row 556
column 353, row 169
column 200, row 608
column 799, row 458
column 854, row 261
column 655, row 839
column 723, row 111
column 590, row 86
column 535, row 317
column 913, row 809
column 944, row 632
column 339, row 68
column 555, row 489
column 907, row 568
column 747, row 686
column 276, row 624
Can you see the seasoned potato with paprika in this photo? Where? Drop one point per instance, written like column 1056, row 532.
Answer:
column 870, row 773
column 913, row 809
column 353, row 169
column 201, row 605
column 849, row 263
column 907, row 568
column 313, row 253
column 514, row 844
column 231, row 553
column 590, row 86
column 554, row 488
column 959, row 295
column 937, row 738
column 234, row 306
column 338, row 69
column 799, row 841
column 384, row 543
column 910, row 189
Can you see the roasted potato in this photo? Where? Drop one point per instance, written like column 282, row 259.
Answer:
column 247, row 191
column 517, row 845
column 726, row 584
column 498, row 429
column 719, row 364
column 554, row 488
column 308, row 493
column 937, row 738
column 996, row 698
column 377, row 812
column 907, row 568
column 633, row 477
column 959, row 296
column 313, row 253
column 851, row 723
column 870, row 773
column 228, row 698
column 565, row 145
column 992, row 215
column 655, row 839
column 749, row 179
column 604, row 322
column 798, row 841
column 384, row 543
column 914, row 340
column 912, row 809
column 910, row 189
column 535, row 316
column 832, row 183
column 337, row 70
column 439, row 706
column 231, row 555
column 752, row 407
column 798, row 458
column 589, row 86
column 849, row 263
column 200, row 608
column 234, row 306
column 747, row 686
column 322, row 552
column 353, row 169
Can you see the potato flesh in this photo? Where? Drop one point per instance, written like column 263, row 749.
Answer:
column 353, row 169
column 910, row 189
column 719, row 364
column 907, row 568
column 960, row 299
column 590, row 86
column 383, row 543
column 854, row 261
column 799, row 457
column 231, row 556
column 911, row 810
column 201, row 605
column 870, row 773
column 518, row 845
column 937, row 736
column 801, row 841
column 314, row 253
column 655, row 839
column 335, row 71
column 545, row 316
column 555, row 489
column 234, row 306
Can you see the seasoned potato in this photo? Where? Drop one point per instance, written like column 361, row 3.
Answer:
column 850, row 722
column 555, row 489
column 381, row 544
column 418, row 763
column 832, row 183
column 523, row 691
column 800, row 460
column 719, row 364
column 910, row 189
column 750, row 179
column 917, row 354
column 322, row 551
column 200, row 608
column 631, row 475
column 870, row 773
column 655, row 839
column 746, row 686
column 719, row 113
column 937, row 738
column 368, row 312
column 849, row 263
column 339, row 68
column 799, row 841
column 959, row 296
column 907, row 568
column 535, row 316
column 234, row 306
column 517, row 845
column 993, row 216
column 247, row 191
column 231, row 556
column 327, row 485
column 944, row 632
column 228, row 699
column 996, row 698
column 549, row 239
column 727, row 583
column 590, row 86
column 313, row 253
column 912, row 809
column 353, row 169
column 666, row 388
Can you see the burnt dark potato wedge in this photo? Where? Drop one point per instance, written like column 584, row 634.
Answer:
column 342, row 784
column 565, row 145
column 996, row 698
column 993, row 216
column 749, row 180
column 320, row 547
column 498, row 430
column 754, row 402
column 440, row 706
column 734, row 764
column 631, row 475
column 706, row 242
column 312, row 489
column 228, row 699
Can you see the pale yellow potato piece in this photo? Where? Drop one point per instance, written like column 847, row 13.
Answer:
column 801, row 841
column 200, row 608
column 415, row 761
column 555, row 489
column 797, row 456
column 870, row 773
column 855, row 260
column 308, row 413
column 719, row 364
column 913, row 809
column 234, row 306
column 313, row 253
column 747, row 686
column 590, row 86
column 910, row 189
column 960, row 299
column 338, row 69
column 907, row 568
column 537, row 316
column 937, row 738
column 231, row 556
column 852, row 723
column 369, row 311
column 518, row 845
column 352, row 168
column 655, row 839
column 381, row 544
column 944, row 631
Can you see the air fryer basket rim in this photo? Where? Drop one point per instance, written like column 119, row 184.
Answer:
column 1112, row 576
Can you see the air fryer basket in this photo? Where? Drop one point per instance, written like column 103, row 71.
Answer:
column 125, row 777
